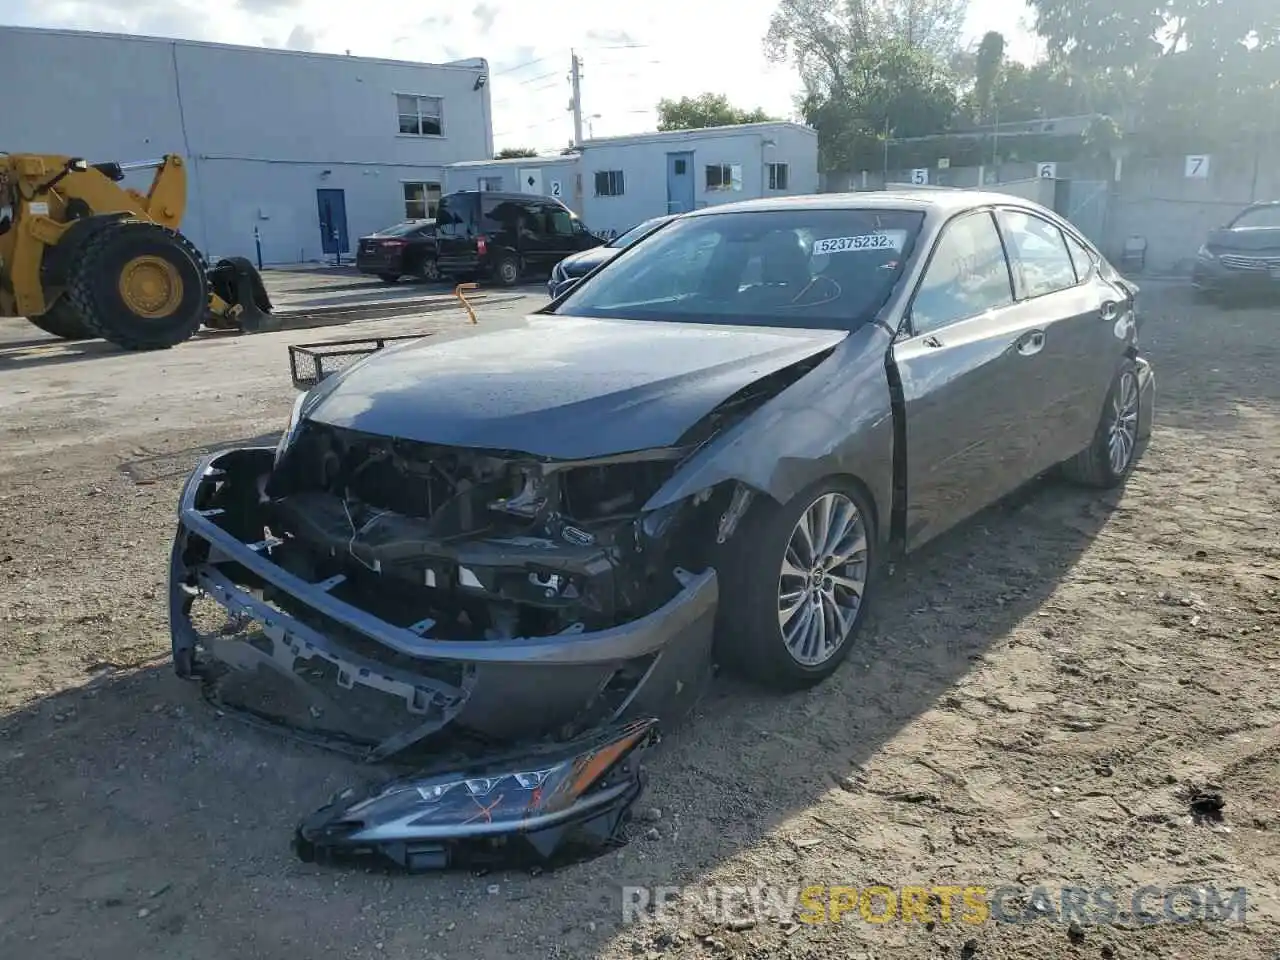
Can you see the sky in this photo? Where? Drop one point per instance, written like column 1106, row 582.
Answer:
column 632, row 54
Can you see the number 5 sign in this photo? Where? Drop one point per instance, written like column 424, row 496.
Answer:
column 920, row 175
column 1197, row 166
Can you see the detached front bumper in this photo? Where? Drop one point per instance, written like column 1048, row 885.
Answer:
column 510, row 691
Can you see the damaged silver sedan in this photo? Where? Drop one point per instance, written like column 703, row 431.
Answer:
column 538, row 538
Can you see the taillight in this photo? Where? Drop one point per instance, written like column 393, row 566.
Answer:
column 482, row 245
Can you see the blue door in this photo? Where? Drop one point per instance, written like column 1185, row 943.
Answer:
column 679, row 182
column 332, row 205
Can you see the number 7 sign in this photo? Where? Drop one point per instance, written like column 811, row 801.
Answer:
column 1197, row 166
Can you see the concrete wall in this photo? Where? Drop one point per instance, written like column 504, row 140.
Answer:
column 262, row 129
column 1153, row 198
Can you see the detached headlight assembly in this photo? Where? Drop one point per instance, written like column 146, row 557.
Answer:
column 414, row 821
column 1204, row 253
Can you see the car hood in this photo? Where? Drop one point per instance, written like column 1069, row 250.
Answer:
column 560, row 387
column 1256, row 240
column 586, row 261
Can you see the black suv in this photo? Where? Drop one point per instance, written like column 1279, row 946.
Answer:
column 505, row 236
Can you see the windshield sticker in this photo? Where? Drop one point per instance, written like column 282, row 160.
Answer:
column 883, row 240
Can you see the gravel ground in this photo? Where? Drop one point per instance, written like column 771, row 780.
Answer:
column 1035, row 698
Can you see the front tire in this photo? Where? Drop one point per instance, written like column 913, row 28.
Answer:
column 139, row 285
column 795, row 582
column 1109, row 458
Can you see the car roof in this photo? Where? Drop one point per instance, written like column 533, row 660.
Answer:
column 941, row 200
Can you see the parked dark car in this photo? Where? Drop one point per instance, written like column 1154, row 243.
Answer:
column 580, row 264
column 1243, row 256
column 506, row 236
column 710, row 446
column 406, row 249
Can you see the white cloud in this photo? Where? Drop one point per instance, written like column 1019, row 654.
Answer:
column 632, row 55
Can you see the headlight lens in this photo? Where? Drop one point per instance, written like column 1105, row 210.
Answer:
column 291, row 429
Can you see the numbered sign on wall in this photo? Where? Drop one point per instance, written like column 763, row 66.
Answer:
column 1047, row 170
column 555, row 189
column 1197, row 166
column 920, row 175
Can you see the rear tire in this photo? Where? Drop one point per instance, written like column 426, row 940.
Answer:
column 766, row 610
column 139, row 285
column 61, row 320
column 507, row 271
column 1109, row 458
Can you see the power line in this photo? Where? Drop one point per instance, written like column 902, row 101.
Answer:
column 521, row 66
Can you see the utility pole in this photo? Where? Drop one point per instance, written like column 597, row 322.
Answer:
column 575, row 104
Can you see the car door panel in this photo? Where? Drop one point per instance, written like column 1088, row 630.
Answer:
column 968, row 365
column 969, row 437
column 1079, row 338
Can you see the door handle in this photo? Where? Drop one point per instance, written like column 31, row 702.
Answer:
column 1030, row 344
column 1110, row 311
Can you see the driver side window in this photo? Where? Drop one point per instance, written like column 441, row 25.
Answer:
column 967, row 275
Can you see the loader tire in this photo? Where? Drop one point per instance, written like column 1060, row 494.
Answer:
column 61, row 320
column 139, row 285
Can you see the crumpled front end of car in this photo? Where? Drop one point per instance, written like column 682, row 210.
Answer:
column 402, row 600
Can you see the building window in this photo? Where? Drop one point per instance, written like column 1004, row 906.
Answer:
column 491, row 184
column 609, row 183
column 420, row 200
column 724, row 176
column 419, row 116
column 778, row 176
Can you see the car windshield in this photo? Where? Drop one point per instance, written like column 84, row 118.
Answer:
column 622, row 241
column 796, row 267
column 404, row 229
column 1259, row 218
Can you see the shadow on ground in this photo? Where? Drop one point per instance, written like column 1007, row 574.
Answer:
column 169, row 825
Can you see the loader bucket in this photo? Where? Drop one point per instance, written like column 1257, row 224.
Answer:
column 238, row 282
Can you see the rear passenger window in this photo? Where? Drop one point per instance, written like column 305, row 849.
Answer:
column 1038, row 253
column 967, row 275
column 1080, row 256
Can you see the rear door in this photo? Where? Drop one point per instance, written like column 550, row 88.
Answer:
column 1079, row 313
column 970, row 364
column 456, row 217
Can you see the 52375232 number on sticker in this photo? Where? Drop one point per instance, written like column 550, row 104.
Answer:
column 884, row 240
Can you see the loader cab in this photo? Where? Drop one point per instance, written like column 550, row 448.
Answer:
column 506, row 236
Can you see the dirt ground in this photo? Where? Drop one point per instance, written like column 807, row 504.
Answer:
column 1032, row 700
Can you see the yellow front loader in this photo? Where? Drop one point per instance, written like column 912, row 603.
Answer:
column 81, row 256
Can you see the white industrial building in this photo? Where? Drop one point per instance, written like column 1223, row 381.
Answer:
column 310, row 150
column 613, row 183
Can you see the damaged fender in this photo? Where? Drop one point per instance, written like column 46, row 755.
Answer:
column 819, row 426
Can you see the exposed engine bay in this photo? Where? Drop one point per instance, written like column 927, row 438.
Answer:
column 466, row 544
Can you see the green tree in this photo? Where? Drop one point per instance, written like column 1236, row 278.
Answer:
column 510, row 153
column 704, row 110
column 1177, row 68
column 987, row 67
